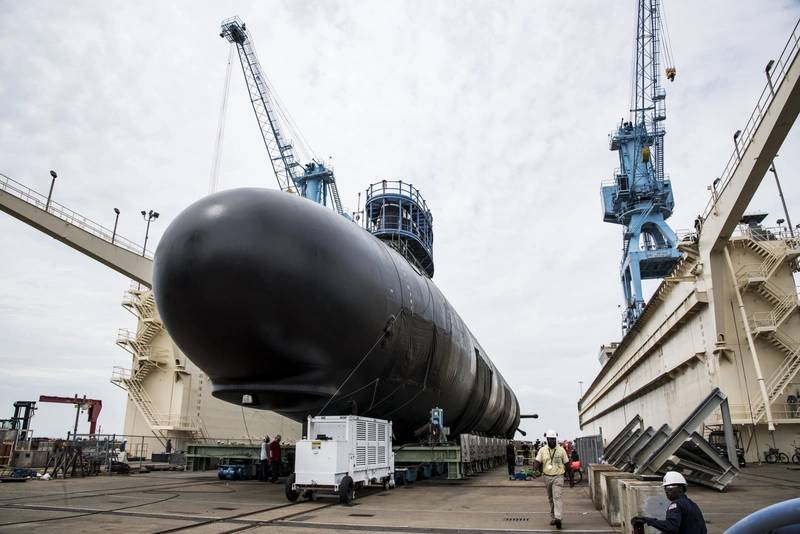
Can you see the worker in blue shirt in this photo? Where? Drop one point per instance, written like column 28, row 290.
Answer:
column 683, row 515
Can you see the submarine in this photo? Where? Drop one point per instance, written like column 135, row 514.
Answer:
column 290, row 307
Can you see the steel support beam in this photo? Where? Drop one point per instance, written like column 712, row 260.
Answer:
column 718, row 471
column 75, row 231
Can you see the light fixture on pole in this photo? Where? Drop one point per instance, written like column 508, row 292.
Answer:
column 769, row 78
column 50, row 194
column 148, row 216
column 735, row 144
column 714, row 194
column 783, row 200
column 116, row 220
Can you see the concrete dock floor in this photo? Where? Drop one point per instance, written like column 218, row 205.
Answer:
column 199, row 502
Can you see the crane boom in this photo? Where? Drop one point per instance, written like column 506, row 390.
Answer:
column 313, row 180
column 640, row 196
column 281, row 152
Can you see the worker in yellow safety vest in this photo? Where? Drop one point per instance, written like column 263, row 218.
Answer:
column 552, row 461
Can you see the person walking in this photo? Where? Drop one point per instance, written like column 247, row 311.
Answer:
column 511, row 458
column 552, row 461
column 262, row 475
column 683, row 515
column 275, row 458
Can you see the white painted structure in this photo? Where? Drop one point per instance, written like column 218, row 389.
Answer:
column 360, row 447
column 168, row 396
column 727, row 315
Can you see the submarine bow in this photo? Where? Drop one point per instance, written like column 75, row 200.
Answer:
column 300, row 311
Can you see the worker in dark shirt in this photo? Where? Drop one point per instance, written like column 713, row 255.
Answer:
column 275, row 458
column 511, row 459
column 683, row 515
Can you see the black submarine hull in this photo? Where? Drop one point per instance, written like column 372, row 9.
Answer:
column 277, row 298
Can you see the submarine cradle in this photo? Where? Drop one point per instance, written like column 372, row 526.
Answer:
column 288, row 306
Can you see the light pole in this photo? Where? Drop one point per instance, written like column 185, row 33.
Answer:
column 148, row 216
column 116, row 220
column 783, row 200
column 580, row 384
column 735, row 144
column 50, row 194
column 769, row 79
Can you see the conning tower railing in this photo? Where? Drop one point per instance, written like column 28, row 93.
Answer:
column 395, row 212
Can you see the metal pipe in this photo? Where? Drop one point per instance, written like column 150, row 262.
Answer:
column 77, row 417
column 770, row 519
column 769, row 78
column 783, row 200
column 50, row 194
column 146, row 235
column 750, row 342
column 116, row 220
column 727, row 426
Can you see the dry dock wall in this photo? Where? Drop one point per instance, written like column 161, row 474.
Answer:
column 673, row 357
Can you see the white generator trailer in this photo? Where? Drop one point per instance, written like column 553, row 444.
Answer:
column 341, row 454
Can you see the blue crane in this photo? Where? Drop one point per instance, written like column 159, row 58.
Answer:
column 313, row 180
column 640, row 196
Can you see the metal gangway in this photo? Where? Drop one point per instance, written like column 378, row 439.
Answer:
column 75, row 230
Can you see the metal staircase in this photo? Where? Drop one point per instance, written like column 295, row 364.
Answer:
column 779, row 380
column 337, row 201
column 139, row 344
column 767, row 324
column 755, row 274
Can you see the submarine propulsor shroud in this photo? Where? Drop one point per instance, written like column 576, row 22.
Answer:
column 290, row 307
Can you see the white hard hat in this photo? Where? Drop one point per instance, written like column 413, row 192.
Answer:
column 672, row 478
column 550, row 434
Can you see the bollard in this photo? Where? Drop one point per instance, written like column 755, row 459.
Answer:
column 610, row 494
column 594, row 481
column 773, row 518
column 639, row 497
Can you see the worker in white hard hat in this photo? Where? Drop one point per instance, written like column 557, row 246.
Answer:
column 552, row 461
column 683, row 514
column 263, row 473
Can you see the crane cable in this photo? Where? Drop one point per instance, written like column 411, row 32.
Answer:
column 666, row 42
column 293, row 133
column 213, row 182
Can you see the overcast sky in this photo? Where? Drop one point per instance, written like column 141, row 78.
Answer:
column 498, row 111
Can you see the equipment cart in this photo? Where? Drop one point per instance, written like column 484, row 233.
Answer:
column 340, row 455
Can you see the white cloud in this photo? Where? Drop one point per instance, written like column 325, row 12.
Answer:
column 498, row 112
column 64, row 375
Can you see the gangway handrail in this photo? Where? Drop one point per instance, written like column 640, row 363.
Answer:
column 36, row 199
column 774, row 78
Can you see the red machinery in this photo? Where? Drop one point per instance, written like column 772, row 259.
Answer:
column 93, row 407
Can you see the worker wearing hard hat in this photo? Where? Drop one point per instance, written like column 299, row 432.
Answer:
column 683, row 515
column 263, row 474
column 553, row 462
